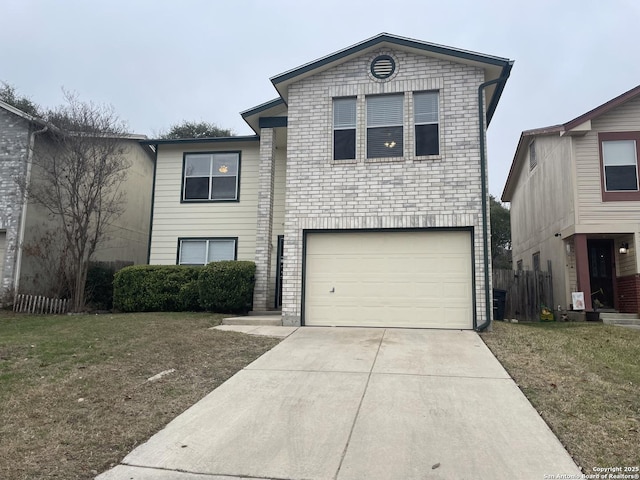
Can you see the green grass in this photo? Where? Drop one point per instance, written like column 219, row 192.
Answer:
column 584, row 379
column 73, row 393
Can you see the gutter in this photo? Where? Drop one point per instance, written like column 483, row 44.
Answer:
column 483, row 171
column 25, row 201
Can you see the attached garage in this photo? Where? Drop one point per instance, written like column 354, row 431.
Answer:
column 412, row 279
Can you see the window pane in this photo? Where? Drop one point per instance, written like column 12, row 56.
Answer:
column 225, row 164
column 425, row 105
column 619, row 152
column 197, row 165
column 223, row 188
column 196, row 188
column 384, row 142
column 621, row 178
column 344, row 113
column 384, row 110
column 193, row 252
column 344, row 144
column 427, row 140
column 221, row 250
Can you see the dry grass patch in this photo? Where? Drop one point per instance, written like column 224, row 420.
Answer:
column 584, row 379
column 73, row 392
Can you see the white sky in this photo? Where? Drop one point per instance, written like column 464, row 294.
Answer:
column 159, row 62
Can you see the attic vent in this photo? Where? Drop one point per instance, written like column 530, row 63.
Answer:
column 383, row 67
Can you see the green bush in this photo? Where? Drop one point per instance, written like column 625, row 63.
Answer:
column 227, row 287
column 156, row 288
column 99, row 286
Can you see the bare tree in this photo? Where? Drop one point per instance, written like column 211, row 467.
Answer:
column 76, row 173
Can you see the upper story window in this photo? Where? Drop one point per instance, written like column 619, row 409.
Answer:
column 211, row 176
column 536, row 261
column 385, row 114
column 344, row 128
column 619, row 165
column 533, row 160
column 426, row 119
column 201, row 251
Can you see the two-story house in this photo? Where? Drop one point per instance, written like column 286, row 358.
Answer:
column 362, row 198
column 575, row 205
column 26, row 228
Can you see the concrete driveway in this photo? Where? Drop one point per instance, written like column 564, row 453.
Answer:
column 358, row 403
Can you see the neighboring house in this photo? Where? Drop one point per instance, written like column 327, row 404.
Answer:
column 23, row 224
column 362, row 197
column 575, row 205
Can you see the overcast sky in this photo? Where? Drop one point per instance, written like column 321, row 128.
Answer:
column 160, row 62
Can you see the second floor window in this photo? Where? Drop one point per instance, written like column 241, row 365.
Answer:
column 426, row 119
column 385, row 114
column 620, row 165
column 344, row 128
column 211, row 176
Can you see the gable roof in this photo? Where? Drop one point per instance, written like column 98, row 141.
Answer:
column 494, row 67
column 561, row 129
column 20, row 113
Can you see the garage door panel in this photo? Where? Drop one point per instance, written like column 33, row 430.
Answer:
column 402, row 279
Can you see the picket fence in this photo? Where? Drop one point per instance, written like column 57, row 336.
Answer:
column 39, row 304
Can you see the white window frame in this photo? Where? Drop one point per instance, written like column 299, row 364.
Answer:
column 211, row 176
column 634, row 163
column 416, row 123
column 385, row 125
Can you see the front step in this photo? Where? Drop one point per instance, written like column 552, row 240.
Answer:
column 273, row 320
column 263, row 313
column 614, row 318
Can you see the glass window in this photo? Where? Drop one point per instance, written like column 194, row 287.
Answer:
column 620, row 165
column 344, row 128
column 426, row 120
column 203, row 251
column 385, row 115
column 211, row 176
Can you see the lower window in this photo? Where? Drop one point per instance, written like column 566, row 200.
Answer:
column 200, row 251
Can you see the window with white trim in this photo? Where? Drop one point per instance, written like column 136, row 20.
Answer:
column 201, row 251
column 426, row 120
column 344, row 128
column 211, row 176
column 620, row 165
column 385, row 115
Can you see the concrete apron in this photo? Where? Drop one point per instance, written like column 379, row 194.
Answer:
column 357, row 403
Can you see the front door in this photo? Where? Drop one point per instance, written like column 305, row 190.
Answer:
column 601, row 270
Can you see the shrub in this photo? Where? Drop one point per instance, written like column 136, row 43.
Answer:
column 156, row 288
column 227, row 286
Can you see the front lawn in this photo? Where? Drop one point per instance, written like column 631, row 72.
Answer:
column 584, row 379
column 74, row 395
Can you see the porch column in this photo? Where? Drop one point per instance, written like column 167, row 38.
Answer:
column 264, row 228
column 582, row 268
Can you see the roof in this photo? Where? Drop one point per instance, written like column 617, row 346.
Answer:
column 495, row 67
column 163, row 141
column 20, row 113
column 561, row 129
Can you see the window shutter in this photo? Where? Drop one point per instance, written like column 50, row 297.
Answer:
column 385, row 110
column 344, row 113
column 425, row 106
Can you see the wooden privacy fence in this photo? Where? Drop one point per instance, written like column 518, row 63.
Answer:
column 39, row 304
column 526, row 292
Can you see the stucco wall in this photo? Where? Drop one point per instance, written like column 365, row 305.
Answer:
column 409, row 192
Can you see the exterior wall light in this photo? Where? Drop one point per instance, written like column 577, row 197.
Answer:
column 624, row 248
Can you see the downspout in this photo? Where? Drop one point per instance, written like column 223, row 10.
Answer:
column 25, row 201
column 485, row 225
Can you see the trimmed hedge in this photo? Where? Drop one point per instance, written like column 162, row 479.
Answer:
column 225, row 287
column 156, row 288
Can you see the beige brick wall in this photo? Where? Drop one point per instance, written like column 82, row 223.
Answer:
column 407, row 192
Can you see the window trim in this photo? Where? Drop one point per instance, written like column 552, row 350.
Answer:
column 414, row 124
column 402, row 125
column 181, row 239
column 619, row 195
column 183, row 181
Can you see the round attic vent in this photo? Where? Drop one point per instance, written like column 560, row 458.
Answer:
column 383, row 67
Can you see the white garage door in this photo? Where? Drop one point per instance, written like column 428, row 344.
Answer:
column 389, row 279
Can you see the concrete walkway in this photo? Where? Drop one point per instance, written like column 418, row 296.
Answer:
column 357, row 403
